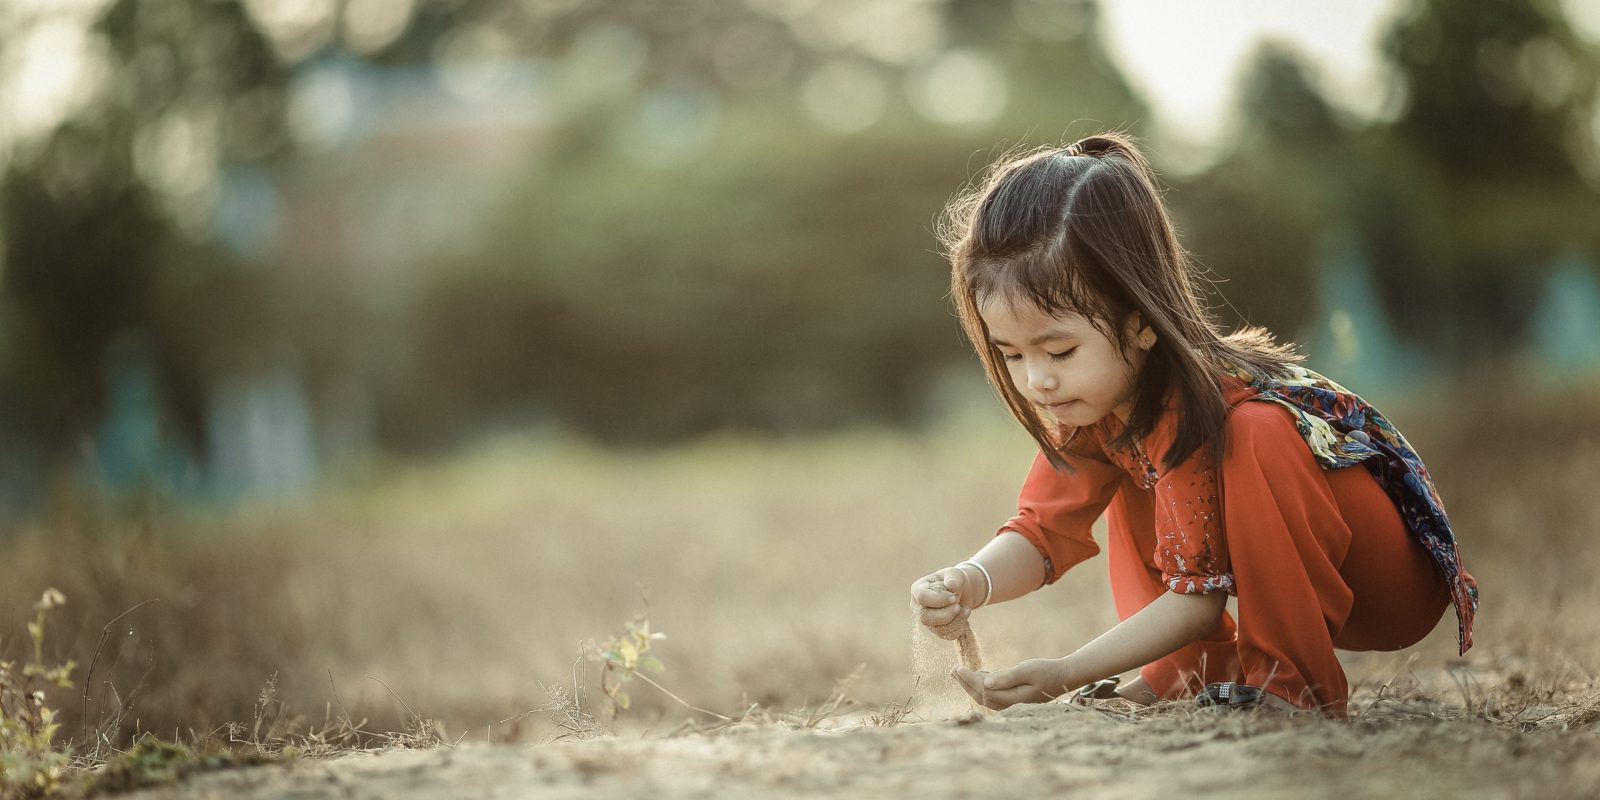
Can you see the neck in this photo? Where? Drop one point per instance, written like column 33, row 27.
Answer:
column 1123, row 411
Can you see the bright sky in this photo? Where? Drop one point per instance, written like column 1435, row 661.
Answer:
column 1185, row 55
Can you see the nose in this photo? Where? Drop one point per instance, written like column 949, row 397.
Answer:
column 1040, row 379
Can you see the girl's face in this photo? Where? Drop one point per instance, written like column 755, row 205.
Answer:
column 1064, row 364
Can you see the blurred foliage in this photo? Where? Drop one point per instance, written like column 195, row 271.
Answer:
column 778, row 272
column 1253, row 218
column 30, row 766
column 1463, row 202
column 1495, row 151
column 91, row 224
column 785, row 279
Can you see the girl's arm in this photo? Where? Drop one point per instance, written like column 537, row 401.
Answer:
column 949, row 595
column 1049, row 534
column 1168, row 623
column 1013, row 562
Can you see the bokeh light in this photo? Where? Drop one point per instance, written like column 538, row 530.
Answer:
column 961, row 87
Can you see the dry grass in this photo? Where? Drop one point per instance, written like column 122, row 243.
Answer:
column 426, row 604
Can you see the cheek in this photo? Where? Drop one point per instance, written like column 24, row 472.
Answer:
column 1127, row 374
column 1114, row 374
column 1133, row 364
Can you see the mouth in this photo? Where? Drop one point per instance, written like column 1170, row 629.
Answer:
column 1058, row 408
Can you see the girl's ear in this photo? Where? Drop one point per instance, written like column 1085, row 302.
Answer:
column 1141, row 334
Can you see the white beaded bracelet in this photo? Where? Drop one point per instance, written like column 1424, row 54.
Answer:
column 988, row 582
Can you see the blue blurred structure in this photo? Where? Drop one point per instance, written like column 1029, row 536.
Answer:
column 261, row 436
column 1350, row 339
column 248, row 212
column 344, row 206
column 1566, row 328
column 133, row 449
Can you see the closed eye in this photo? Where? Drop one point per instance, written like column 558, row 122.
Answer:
column 1063, row 356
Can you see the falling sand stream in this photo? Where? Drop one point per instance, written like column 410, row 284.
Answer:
column 934, row 691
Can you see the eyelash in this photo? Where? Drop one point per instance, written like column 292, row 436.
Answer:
column 1055, row 356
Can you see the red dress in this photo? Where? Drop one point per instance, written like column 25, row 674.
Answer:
column 1317, row 558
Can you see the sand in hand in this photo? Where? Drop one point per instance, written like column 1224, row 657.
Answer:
column 935, row 693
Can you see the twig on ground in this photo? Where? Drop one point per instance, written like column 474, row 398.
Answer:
column 664, row 690
column 88, row 678
column 425, row 729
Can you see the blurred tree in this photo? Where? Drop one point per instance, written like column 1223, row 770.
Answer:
column 1255, row 217
column 93, row 214
column 1494, row 91
column 1496, row 148
column 783, row 275
column 1488, row 169
column 66, row 294
column 730, row 210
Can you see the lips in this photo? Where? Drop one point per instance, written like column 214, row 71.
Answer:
column 1058, row 408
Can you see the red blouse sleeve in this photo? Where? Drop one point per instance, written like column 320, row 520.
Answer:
column 1056, row 510
column 1190, row 549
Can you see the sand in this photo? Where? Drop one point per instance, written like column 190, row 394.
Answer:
column 934, row 690
column 1105, row 751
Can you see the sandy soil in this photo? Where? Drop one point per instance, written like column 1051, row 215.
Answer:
column 1108, row 751
column 464, row 593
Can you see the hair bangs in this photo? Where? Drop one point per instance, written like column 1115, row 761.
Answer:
column 1062, row 278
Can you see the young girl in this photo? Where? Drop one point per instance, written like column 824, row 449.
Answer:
column 1225, row 466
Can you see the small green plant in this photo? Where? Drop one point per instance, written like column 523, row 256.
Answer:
column 29, row 766
column 621, row 658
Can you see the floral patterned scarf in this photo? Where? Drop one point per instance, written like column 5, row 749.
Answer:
column 1343, row 430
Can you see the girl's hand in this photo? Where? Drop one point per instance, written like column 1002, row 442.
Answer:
column 945, row 598
column 1036, row 680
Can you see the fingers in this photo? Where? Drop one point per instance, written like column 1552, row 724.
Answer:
column 1005, row 679
column 943, row 617
column 1027, row 682
column 1038, row 679
column 974, row 685
column 1006, row 698
column 955, row 579
column 937, row 600
column 937, row 608
column 931, row 592
column 952, row 630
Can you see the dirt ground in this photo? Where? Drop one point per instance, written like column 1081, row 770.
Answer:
column 1108, row 751
column 464, row 593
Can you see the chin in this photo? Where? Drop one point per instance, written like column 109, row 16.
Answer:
column 1079, row 417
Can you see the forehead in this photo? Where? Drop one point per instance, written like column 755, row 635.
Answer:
column 1010, row 316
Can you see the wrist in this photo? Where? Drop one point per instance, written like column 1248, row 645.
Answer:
column 971, row 590
column 1067, row 676
column 979, row 584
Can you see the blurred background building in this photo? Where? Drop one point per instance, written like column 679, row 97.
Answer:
column 244, row 246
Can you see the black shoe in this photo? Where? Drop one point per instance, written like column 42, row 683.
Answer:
column 1099, row 690
column 1230, row 695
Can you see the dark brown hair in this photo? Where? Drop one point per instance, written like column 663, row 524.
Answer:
column 1082, row 229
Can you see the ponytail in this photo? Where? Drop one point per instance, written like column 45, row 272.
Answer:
column 1102, row 145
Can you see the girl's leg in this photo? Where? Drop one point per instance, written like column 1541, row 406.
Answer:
column 1320, row 558
column 1137, row 690
column 1286, row 538
column 1399, row 594
column 1135, row 583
